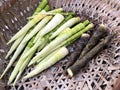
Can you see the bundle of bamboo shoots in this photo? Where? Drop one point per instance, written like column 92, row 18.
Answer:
column 44, row 41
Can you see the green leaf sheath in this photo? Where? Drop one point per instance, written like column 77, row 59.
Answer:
column 47, row 8
column 66, row 42
column 58, row 10
column 40, row 7
column 30, row 24
column 62, row 13
column 52, row 12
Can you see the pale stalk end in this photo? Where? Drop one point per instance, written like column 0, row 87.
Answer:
column 8, row 83
column 6, row 57
column 70, row 73
column 3, row 74
column 10, row 41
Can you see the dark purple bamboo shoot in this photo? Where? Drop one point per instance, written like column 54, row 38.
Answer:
column 97, row 35
column 76, row 67
column 74, row 55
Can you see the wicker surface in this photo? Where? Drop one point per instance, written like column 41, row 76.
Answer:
column 99, row 74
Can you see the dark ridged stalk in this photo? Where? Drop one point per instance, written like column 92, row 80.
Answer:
column 97, row 35
column 74, row 55
column 79, row 64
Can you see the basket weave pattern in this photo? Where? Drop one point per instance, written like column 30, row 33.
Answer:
column 99, row 74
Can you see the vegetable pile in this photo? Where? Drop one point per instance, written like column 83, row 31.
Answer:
column 44, row 41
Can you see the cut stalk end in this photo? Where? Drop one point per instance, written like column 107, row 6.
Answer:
column 31, row 63
column 86, row 22
column 85, row 35
column 8, row 42
column 6, row 57
column 8, row 83
column 14, row 83
column 102, row 26
column 2, row 75
column 70, row 73
column 24, row 78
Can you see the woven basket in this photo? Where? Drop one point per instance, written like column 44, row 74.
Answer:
column 100, row 74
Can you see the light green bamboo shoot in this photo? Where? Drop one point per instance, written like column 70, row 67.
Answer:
column 69, row 23
column 62, row 37
column 46, row 41
column 26, row 28
column 21, row 69
column 56, row 20
column 58, row 10
column 61, row 53
column 17, row 42
column 20, row 61
column 76, row 36
column 47, row 8
column 52, row 12
column 37, row 28
column 40, row 7
column 14, row 46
